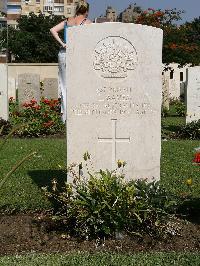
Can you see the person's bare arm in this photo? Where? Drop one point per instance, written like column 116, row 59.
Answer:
column 55, row 30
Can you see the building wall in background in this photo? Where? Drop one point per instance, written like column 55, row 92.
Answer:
column 15, row 8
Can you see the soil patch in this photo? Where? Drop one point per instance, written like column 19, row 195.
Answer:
column 21, row 233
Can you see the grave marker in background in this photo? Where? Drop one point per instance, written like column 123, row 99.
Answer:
column 11, row 87
column 28, row 87
column 3, row 92
column 114, row 94
column 193, row 94
column 50, row 88
column 165, row 92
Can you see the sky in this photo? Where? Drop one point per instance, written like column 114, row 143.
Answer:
column 192, row 7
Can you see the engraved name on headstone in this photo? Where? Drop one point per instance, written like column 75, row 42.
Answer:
column 50, row 88
column 28, row 87
column 3, row 92
column 193, row 94
column 114, row 93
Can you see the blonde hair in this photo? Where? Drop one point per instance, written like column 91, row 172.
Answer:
column 82, row 7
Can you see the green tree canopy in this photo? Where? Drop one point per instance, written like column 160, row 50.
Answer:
column 32, row 42
column 181, row 42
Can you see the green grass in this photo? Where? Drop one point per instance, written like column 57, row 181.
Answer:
column 23, row 190
column 177, row 167
column 171, row 125
column 141, row 259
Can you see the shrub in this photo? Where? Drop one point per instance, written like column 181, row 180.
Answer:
column 164, row 111
column 106, row 204
column 180, row 109
column 5, row 127
column 190, row 130
column 42, row 118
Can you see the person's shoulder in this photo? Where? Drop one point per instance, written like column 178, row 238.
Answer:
column 88, row 21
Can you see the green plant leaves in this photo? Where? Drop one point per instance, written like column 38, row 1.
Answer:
column 105, row 204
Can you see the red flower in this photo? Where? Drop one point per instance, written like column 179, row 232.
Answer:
column 48, row 124
column 173, row 46
column 46, row 101
column 26, row 105
column 197, row 158
column 33, row 101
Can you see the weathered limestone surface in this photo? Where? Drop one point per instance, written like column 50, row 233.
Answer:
column 3, row 92
column 50, row 88
column 193, row 94
column 28, row 87
column 114, row 95
column 165, row 92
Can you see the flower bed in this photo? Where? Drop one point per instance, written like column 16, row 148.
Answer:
column 37, row 118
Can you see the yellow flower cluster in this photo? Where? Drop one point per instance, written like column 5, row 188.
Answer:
column 121, row 163
column 189, row 181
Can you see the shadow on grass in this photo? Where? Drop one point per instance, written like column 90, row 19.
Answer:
column 190, row 209
column 172, row 128
column 43, row 178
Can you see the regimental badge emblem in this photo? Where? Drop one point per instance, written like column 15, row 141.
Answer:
column 115, row 57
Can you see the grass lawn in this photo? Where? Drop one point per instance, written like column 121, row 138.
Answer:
column 172, row 124
column 177, row 167
column 141, row 259
column 23, row 190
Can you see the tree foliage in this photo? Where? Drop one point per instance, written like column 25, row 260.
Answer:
column 181, row 42
column 31, row 41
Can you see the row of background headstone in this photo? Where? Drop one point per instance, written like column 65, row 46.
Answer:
column 48, row 74
column 30, row 87
column 176, row 76
column 174, row 85
column 187, row 84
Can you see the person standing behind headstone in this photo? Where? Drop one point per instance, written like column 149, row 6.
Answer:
column 81, row 18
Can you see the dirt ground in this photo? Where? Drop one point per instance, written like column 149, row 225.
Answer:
column 23, row 233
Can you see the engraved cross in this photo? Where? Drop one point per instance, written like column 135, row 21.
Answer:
column 114, row 140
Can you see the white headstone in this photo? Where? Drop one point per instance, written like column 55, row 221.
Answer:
column 114, row 91
column 28, row 87
column 193, row 94
column 3, row 92
column 177, row 78
column 11, row 88
column 174, row 84
column 50, row 88
column 165, row 92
